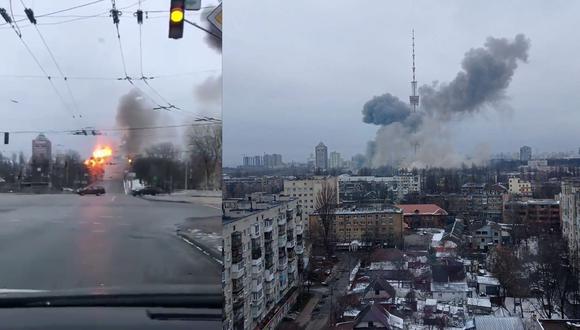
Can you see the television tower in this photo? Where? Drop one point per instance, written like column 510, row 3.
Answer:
column 414, row 98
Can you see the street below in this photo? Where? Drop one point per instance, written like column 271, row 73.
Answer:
column 66, row 241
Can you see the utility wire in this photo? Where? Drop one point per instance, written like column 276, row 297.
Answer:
column 161, row 76
column 63, row 76
column 114, row 129
column 40, row 66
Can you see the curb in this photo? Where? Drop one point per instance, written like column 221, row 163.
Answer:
column 214, row 255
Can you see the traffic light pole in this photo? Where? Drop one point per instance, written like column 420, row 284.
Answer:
column 204, row 29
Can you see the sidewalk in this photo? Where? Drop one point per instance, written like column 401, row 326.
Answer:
column 208, row 198
column 209, row 244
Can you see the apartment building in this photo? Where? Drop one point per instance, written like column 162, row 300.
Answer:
column 368, row 224
column 570, row 211
column 306, row 190
column 263, row 259
column 378, row 189
column 519, row 187
column 540, row 215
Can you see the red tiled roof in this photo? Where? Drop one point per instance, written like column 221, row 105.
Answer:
column 421, row 209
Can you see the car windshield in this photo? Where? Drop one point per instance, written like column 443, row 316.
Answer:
column 98, row 99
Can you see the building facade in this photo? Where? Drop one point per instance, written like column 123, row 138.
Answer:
column 517, row 186
column 306, row 190
column 41, row 149
column 539, row 215
column 570, row 208
column 424, row 215
column 263, row 248
column 321, row 157
column 525, row 153
column 335, row 160
column 379, row 225
column 374, row 189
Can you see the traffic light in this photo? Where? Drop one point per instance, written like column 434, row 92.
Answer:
column 176, row 19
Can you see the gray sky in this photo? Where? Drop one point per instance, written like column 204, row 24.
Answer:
column 299, row 72
column 89, row 48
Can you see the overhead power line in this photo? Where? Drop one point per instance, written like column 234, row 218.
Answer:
column 19, row 34
column 113, row 129
column 32, row 19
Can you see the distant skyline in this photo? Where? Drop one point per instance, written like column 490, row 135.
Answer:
column 290, row 85
column 87, row 51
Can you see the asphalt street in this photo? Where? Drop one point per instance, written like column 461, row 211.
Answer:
column 66, row 241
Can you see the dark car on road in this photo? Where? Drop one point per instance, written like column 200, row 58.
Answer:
column 147, row 191
column 92, row 190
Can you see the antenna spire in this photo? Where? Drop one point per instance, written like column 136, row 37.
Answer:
column 414, row 98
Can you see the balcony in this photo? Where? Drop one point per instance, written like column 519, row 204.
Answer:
column 291, row 267
column 238, row 270
column 256, row 253
column 299, row 229
column 268, row 276
column 289, row 214
column 282, row 241
column 267, row 237
column 290, row 244
column 268, row 224
column 255, row 233
column 239, row 316
column 282, row 220
column 257, row 310
column 238, row 303
column 257, row 267
column 257, row 286
column 299, row 249
column 282, row 263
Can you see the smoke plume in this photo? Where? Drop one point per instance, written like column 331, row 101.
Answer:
column 422, row 139
column 210, row 91
column 133, row 114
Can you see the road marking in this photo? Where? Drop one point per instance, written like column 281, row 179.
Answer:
column 98, row 231
column 106, row 216
column 14, row 220
column 202, row 250
column 113, row 199
column 96, row 223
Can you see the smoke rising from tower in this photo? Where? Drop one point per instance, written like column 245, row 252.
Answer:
column 485, row 76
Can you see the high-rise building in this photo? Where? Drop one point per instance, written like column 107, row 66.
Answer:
column 248, row 161
column 335, row 161
column 272, row 161
column 321, row 157
column 306, row 191
column 41, row 148
column 570, row 215
column 258, row 161
column 525, row 153
column 263, row 249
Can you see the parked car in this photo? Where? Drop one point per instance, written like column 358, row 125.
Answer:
column 147, row 191
column 91, row 190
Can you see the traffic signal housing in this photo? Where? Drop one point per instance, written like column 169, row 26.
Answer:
column 176, row 19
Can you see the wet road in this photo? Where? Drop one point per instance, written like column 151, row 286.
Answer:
column 65, row 241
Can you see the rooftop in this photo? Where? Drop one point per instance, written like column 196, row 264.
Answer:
column 422, row 209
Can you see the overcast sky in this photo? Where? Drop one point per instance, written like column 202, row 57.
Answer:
column 299, row 72
column 89, row 48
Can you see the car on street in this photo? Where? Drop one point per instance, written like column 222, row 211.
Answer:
column 92, row 190
column 147, row 191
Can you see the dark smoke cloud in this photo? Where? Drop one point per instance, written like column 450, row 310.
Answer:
column 210, row 91
column 487, row 72
column 134, row 112
column 384, row 110
column 388, row 109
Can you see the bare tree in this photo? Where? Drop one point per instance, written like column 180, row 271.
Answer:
column 205, row 143
column 326, row 202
